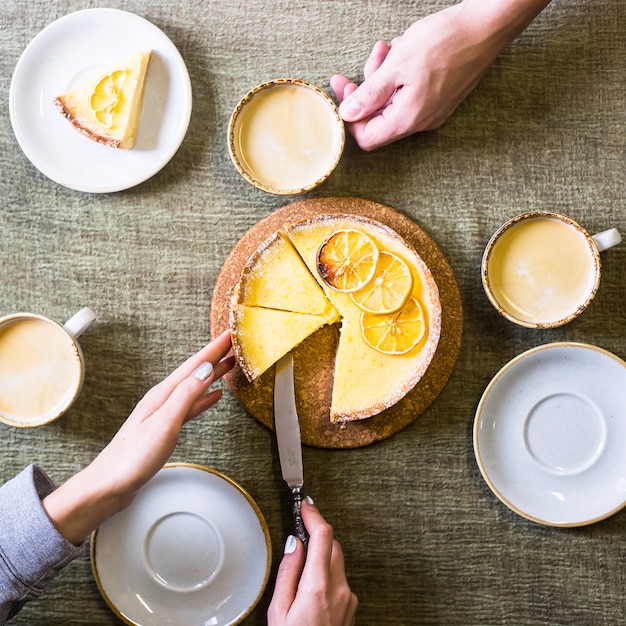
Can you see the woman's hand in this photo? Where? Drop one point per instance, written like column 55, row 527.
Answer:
column 312, row 589
column 417, row 81
column 142, row 445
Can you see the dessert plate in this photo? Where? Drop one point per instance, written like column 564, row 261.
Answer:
column 550, row 433
column 193, row 548
column 70, row 51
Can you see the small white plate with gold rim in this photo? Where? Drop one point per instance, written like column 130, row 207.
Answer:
column 193, row 548
column 70, row 51
column 550, row 434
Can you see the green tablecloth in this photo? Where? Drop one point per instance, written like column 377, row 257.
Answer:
column 426, row 541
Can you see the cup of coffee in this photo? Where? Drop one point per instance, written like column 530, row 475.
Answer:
column 42, row 366
column 542, row 269
column 286, row 136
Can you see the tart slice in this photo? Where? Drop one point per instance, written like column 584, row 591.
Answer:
column 262, row 336
column 276, row 277
column 107, row 107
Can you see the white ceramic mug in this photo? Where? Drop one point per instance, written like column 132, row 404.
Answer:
column 542, row 269
column 42, row 367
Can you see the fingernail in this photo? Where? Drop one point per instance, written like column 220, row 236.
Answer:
column 350, row 107
column 309, row 500
column 203, row 371
column 290, row 545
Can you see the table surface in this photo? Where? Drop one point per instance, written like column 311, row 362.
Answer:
column 426, row 541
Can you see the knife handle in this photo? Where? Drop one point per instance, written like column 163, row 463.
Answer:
column 301, row 531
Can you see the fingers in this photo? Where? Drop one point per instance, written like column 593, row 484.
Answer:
column 313, row 589
column 377, row 56
column 207, row 400
column 350, row 88
column 213, row 353
column 350, row 618
column 287, row 580
column 178, row 406
column 338, row 84
column 320, row 540
column 364, row 106
column 224, row 366
column 396, row 120
column 325, row 565
column 371, row 95
column 344, row 598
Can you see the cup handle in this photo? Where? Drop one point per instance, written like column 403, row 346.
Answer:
column 80, row 322
column 607, row 239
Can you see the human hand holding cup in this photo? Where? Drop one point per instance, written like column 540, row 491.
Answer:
column 42, row 367
column 542, row 269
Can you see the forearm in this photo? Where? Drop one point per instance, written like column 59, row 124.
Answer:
column 79, row 506
column 141, row 447
column 499, row 22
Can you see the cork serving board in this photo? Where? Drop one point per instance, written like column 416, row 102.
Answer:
column 314, row 359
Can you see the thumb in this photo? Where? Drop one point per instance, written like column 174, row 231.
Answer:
column 371, row 95
column 287, row 580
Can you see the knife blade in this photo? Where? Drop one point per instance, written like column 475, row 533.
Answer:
column 287, row 429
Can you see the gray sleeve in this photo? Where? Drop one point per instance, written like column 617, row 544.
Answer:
column 32, row 551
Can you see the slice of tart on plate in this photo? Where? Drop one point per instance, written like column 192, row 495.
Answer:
column 107, row 108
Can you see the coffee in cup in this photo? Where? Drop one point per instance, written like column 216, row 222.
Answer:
column 42, row 366
column 286, row 136
column 542, row 269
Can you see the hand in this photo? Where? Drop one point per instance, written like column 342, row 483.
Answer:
column 142, row 445
column 312, row 590
column 416, row 82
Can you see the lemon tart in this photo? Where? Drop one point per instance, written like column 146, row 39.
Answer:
column 380, row 291
column 295, row 291
column 282, row 331
column 107, row 108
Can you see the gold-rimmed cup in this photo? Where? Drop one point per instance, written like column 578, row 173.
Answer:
column 542, row 269
column 42, row 367
column 286, row 136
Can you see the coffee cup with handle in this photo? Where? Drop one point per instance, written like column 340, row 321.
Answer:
column 42, row 367
column 542, row 269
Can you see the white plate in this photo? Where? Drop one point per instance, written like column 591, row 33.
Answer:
column 192, row 549
column 550, row 434
column 68, row 52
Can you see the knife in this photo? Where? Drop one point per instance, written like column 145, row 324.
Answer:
column 288, row 437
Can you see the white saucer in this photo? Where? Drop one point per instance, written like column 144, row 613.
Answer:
column 68, row 52
column 192, row 549
column 550, row 434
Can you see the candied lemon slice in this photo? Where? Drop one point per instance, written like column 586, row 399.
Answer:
column 390, row 287
column 347, row 260
column 395, row 333
column 106, row 98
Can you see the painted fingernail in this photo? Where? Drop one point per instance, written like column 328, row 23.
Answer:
column 309, row 500
column 350, row 107
column 203, row 371
column 290, row 545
